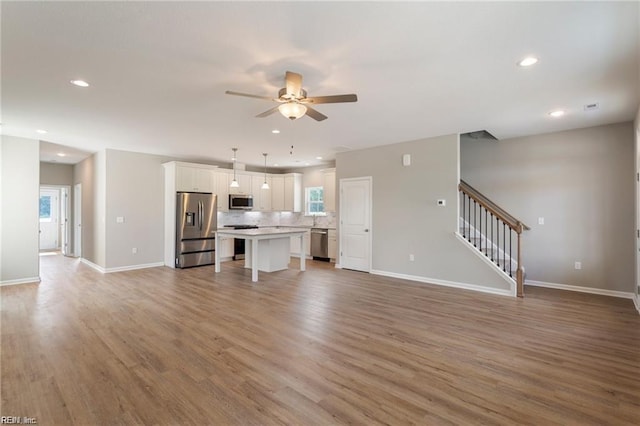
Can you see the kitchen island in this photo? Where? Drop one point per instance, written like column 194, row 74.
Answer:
column 267, row 249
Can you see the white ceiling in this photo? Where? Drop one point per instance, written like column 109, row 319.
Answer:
column 158, row 72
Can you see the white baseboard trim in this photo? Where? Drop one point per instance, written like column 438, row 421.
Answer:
column 636, row 301
column 120, row 268
column 464, row 286
column 591, row 290
column 134, row 267
column 92, row 265
column 30, row 280
column 338, row 266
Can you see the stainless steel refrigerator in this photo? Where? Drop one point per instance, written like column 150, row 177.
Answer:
column 196, row 225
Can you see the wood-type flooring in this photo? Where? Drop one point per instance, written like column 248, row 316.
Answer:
column 170, row 347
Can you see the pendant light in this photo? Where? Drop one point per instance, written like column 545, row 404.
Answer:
column 234, row 182
column 265, row 185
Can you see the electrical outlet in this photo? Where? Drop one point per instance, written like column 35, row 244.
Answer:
column 411, row 258
column 120, row 219
column 134, row 250
column 442, row 203
column 577, row 265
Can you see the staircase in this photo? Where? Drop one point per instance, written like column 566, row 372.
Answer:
column 492, row 231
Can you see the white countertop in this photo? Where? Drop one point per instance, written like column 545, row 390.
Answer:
column 261, row 231
column 306, row 227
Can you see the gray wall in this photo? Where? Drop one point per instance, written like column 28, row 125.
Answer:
column 582, row 183
column 84, row 173
column 56, row 174
column 406, row 219
column 637, row 165
column 19, row 211
column 135, row 191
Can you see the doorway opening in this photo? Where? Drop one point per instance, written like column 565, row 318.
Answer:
column 54, row 211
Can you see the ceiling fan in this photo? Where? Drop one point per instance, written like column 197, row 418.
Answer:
column 294, row 102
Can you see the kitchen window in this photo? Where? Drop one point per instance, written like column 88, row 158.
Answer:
column 314, row 201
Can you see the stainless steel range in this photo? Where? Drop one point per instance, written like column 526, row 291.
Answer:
column 239, row 243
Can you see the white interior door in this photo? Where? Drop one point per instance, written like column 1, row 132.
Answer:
column 65, row 226
column 77, row 220
column 49, row 222
column 355, row 224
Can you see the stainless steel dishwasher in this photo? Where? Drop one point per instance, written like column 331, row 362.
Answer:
column 320, row 243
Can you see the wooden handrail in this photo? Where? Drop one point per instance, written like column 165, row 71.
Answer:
column 514, row 224
column 492, row 207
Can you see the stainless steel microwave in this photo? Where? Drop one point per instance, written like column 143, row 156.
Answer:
column 240, row 202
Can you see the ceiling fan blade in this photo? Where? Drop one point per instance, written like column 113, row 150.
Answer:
column 332, row 99
column 315, row 114
column 229, row 92
column 268, row 112
column 293, row 84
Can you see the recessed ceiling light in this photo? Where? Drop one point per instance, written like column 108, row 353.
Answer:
column 528, row 61
column 557, row 113
column 42, row 132
column 80, row 83
column 318, row 158
column 61, row 154
column 275, row 131
column 307, row 164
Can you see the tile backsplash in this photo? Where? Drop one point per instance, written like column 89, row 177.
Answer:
column 276, row 219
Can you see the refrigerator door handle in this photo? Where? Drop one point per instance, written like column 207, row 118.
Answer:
column 200, row 213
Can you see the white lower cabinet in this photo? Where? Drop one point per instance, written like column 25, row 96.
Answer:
column 295, row 244
column 333, row 244
column 226, row 247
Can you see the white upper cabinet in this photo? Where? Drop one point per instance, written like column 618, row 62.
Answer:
column 221, row 189
column 277, row 193
column 293, row 192
column 244, row 182
column 193, row 179
column 329, row 190
column 261, row 197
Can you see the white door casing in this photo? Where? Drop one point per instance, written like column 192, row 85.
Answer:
column 637, row 183
column 77, row 220
column 355, row 223
column 65, row 225
column 49, row 213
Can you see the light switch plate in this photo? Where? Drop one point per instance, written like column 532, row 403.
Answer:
column 541, row 221
column 120, row 219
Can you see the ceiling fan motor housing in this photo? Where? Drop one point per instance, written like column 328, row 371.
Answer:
column 284, row 96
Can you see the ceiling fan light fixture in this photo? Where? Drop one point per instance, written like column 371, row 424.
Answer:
column 292, row 110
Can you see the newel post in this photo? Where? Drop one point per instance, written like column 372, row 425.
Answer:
column 520, row 270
